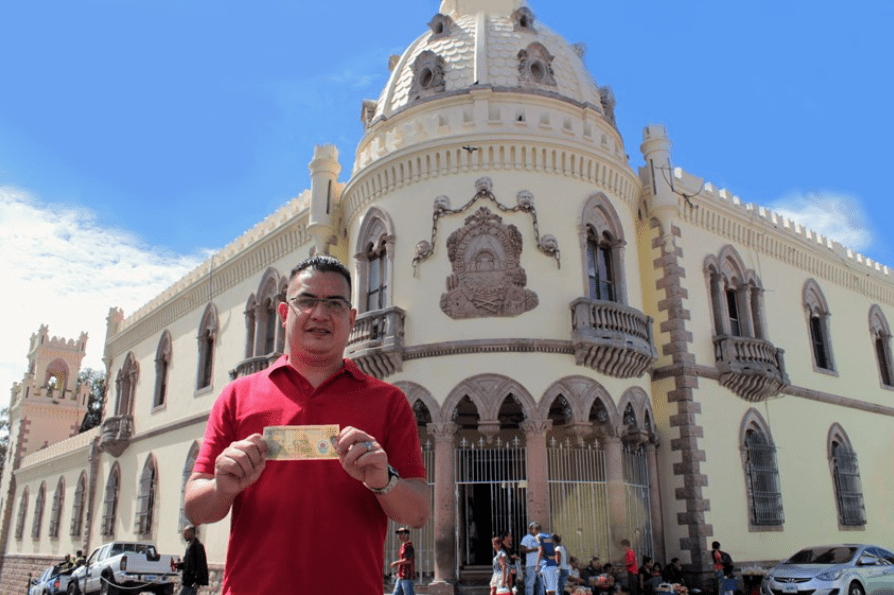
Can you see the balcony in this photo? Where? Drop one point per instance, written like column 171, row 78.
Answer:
column 752, row 368
column 115, row 434
column 612, row 338
column 254, row 364
column 376, row 344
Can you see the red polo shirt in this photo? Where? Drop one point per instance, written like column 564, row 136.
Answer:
column 302, row 521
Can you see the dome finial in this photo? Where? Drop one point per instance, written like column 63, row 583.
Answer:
column 458, row 8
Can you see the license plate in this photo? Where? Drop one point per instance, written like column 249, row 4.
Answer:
column 789, row 588
column 149, row 577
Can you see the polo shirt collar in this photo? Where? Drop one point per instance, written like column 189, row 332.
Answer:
column 350, row 368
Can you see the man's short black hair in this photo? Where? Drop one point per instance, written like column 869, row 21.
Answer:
column 715, row 545
column 324, row 264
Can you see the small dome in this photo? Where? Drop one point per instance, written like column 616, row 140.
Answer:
column 486, row 43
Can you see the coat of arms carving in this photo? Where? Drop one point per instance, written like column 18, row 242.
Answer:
column 487, row 278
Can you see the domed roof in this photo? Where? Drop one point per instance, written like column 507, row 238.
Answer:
column 487, row 43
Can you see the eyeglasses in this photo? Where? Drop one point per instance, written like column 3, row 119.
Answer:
column 333, row 305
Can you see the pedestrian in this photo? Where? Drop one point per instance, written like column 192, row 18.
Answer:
column 194, row 564
column 644, row 574
column 631, row 567
column 564, row 563
column 499, row 580
column 529, row 547
column 405, row 564
column 305, row 519
column 512, row 557
column 673, row 572
column 548, row 562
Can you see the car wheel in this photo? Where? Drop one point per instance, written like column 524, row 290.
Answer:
column 72, row 588
column 855, row 589
column 106, row 587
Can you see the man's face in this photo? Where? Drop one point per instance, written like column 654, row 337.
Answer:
column 403, row 536
column 534, row 529
column 187, row 534
column 594, row 563
column 317, row 334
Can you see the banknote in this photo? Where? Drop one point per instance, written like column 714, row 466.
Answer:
column 300, row 443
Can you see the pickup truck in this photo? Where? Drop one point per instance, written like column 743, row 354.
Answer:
column 125, row 567
column 52, row 581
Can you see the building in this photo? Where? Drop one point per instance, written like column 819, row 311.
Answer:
column 615, row 353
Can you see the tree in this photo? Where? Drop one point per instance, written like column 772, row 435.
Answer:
column 96, row 396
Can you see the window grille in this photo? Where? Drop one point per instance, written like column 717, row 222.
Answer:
column 146, row 499
column 38, row 511
column 819, row 340
column 110, row 504
column 23, row 510
column 77, row 510
column 600, row 274
column 848, row 488
column 763, row 481
column 56, row 513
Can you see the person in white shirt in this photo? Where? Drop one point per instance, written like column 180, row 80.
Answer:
column 564, row 563
column 529, row 548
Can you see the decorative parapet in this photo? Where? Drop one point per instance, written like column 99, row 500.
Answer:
column 718, row 210
column 612, row 338
column 76, row 442
column 254, row 364
column 115, row 434
column 752, row 368
column 376, row 343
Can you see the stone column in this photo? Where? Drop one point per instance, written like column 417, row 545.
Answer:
column 743, row 301
column 655, row 502
column 538, row 487
column 444, row 509
column 617, row 496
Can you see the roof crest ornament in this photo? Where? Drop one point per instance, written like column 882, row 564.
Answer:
column 458, row 8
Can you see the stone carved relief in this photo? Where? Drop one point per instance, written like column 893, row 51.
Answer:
column 487, row 278
column 548, row 244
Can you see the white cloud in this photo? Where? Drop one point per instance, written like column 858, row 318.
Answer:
column 61, row 268
column 836, row 216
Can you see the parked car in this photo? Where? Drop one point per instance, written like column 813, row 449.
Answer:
column 123, row 567
column 842, row 569
column 52, row 581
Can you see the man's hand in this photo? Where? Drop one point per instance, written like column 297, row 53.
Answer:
column 240, row 465
column 362, row 457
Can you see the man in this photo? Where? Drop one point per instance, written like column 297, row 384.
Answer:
column 194, row 564
column 66, row 563
column 546, row 561
column 295, row 524
column 631, row 567
column 673, row 572
column 79, row 560
column 529, row 547
column 591, row 572
column 405, row 564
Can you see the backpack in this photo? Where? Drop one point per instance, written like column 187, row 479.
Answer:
column 727, row 562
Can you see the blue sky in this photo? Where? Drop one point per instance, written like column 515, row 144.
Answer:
column 137, row 135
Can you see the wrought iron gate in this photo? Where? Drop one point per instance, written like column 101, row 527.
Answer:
column 491, row 491
column 639, row 503
column 578, row 496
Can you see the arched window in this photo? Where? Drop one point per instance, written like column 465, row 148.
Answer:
column 761, row 472
column 56, row 513
column 23, row 511
column 881, row 342
column 375, row 259
column 602, row 244
column 736, row 296
column 38, row 510
column 126, row 385
column 163, row 358
column 206, row 338
column 187, row 472
column 110, row 502
column 146, row 497
column 77, row 509
column 250, row 325
column 817, row 311
column 846, row 478
column 268, row 326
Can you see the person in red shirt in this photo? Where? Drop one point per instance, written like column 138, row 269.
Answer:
column 632, row 568
column 276, row 506
column 404, row 564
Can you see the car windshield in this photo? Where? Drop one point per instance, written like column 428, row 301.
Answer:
column 838, row 554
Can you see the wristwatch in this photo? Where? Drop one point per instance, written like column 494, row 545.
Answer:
column 393, row 478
